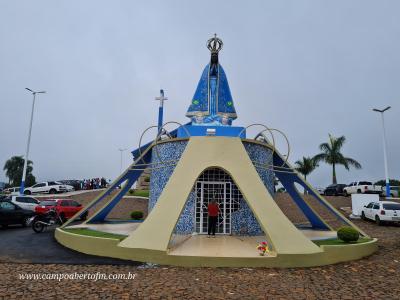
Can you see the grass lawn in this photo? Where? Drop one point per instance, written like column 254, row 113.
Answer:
column 89, row 232
column 140, row 193
column 339, row 242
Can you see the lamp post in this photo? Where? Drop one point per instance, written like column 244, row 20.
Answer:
column 161, row 98
column 121, row 151
column 384, row 148
column 22, row 187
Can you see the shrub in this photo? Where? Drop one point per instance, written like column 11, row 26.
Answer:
column 348, row 234
column 140, row 193
column 137, row 215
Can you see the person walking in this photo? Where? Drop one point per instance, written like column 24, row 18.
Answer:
column 213, row 210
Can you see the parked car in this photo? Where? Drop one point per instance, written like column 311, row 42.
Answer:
column 334, row 190
column 320, row 190
column 25, row 202
column 14, row 191
column 69, row 187
column 394, row 191
column 76, row 184
column 66, row 208
column 362, row 187
column 47, row 187
column 11, row 214
column 382, row 211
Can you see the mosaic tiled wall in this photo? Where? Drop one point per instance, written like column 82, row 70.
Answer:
column 169, row 153
column 262, row 158
column 185, row 223
column 243, row 221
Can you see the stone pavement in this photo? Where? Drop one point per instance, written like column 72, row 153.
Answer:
column 375, row 277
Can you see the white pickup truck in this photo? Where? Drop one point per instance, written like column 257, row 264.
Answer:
column 362, row 187
column 47, row 187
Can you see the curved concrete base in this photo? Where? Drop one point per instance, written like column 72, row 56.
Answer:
column 110, row 248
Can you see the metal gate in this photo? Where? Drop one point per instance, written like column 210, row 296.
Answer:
column 206, row 191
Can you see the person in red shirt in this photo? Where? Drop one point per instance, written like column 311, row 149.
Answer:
column 213, row 210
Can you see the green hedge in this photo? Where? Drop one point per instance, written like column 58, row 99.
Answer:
column 137, row 215
column 348, row 234
column 140, row 193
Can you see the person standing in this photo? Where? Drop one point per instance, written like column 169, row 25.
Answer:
column 213, row 210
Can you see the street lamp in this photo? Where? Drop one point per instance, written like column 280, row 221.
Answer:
column 121, row 150
column 21, row 189
column 384, row 149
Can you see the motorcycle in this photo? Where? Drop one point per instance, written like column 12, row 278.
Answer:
column 41, row 221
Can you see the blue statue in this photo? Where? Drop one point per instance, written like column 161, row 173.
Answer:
column 212, row 102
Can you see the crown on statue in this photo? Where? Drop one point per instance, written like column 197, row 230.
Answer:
column 214, row 44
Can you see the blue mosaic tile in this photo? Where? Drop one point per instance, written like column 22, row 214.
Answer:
column 186, row 223
column 262, row 157
column 161, row 173
column 243, row 221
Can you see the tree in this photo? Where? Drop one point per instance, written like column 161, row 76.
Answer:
column 14, row 168
column 331, row 155
column 392, row 182
column 306, row 166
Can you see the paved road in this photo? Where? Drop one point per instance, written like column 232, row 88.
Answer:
column 22, row 245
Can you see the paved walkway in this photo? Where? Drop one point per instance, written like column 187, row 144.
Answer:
column 116, row 228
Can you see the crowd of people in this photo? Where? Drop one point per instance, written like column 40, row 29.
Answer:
column 94, row 183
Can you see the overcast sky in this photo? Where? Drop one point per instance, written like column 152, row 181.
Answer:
column 308, row 68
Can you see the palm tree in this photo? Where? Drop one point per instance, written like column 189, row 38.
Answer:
column 331, row 155
column 14, row 168
column 306, row 166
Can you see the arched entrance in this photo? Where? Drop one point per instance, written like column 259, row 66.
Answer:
column 215, row 183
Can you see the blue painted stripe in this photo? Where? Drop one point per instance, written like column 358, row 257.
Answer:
column 288, row 180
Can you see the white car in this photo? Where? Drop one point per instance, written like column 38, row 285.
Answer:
column 320, row 190
column 362, row 187
column 47, row 187
column 25, row 202
column 382, row 211
column 69, row 188
column 14, row 191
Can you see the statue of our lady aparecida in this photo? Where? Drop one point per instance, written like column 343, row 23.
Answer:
column 212, row 102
